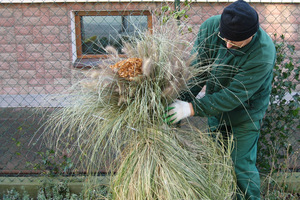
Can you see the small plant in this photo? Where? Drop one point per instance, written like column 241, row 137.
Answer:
column 51, row 164
column 57, row 191
column 13, row 194
column 167, row 13
column 282, row 118
column 276, row 194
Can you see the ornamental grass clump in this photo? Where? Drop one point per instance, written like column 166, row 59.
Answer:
column 174, row 164
column 115, row 121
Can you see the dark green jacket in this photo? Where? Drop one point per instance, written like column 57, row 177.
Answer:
column 239, row 83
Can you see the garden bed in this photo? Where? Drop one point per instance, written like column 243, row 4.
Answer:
column 32, row 185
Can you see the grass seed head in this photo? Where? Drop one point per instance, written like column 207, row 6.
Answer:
column 112, row 50
column 147, row 67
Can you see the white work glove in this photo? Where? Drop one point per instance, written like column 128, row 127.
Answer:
column 178, row 111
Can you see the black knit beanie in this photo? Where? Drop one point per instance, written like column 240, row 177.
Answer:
column 239, row 21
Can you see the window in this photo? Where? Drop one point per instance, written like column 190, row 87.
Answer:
column 96, row 30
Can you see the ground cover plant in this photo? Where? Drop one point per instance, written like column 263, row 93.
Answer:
column 115, row 121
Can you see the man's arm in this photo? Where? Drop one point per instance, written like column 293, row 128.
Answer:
column 244, row 84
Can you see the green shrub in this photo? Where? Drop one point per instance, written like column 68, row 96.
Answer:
column 13, row 194
column 282, row 118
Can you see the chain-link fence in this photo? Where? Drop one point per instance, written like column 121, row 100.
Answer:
column 43, row 42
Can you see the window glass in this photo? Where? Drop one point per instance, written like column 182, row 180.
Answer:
column 97, row 32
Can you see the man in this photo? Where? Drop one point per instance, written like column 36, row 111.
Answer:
column 238, row 86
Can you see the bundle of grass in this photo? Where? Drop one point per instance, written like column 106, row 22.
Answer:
column 168, row 164
column 115, row 120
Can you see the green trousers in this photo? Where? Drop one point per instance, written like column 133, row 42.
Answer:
column 244, row 154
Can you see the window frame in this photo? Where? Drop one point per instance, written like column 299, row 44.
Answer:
column 78, row 34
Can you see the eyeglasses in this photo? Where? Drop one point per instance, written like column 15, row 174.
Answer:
column 232, row 44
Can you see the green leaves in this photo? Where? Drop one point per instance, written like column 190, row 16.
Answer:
column 166, row 13
column 280, row 122
column 52, row 164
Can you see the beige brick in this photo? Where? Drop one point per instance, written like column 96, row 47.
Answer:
column 36, row 81
column 3, row 30
column 7, row 12
column 3, row 40
column 273, row 19
column 52, row 74
column 50, row 30
column 34, row 56
column 47, row 47
column 13, row 73
column 61, row 47
column 27, row 21
column 28, row 65
column 288, row 11
column 37, row 90
column 46, row 39
column 22, row 56
column 297, row 46
column 57, row 64
column 10, row 81
column 18, row 15
column 196, row 19
column 59, row 21
column 40, row 71
column 45, row 20
column 36, row 30
column 24, row 30
column 58, row 11
column 66, row 67
column 6, row 48
column 292, row 28
column 4, row 74
column 56, row 56
column 10, row 35
column 64, row 35
column 13, row 90
column 23, row 81
column 24, row 90
column 4, row 65
column 62, row 81
column 7, row 21
column 34, row 47
column 291, row 37
column 55, row 89
column 27, row 74
column 31, row 11
column 7, row 57
column 24, row 39
column 20, row 48
column 271, row 9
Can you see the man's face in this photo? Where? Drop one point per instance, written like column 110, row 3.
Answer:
column 235, row 44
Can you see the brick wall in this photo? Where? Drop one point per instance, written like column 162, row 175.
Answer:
column 36, row 46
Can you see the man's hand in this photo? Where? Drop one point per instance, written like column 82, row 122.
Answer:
column 178, row 111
